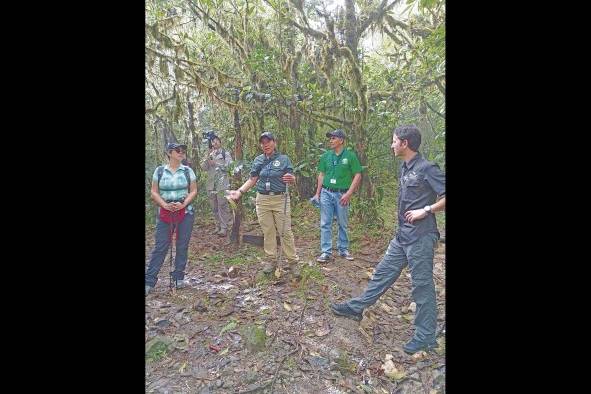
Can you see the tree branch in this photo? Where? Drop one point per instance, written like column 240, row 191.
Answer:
column 440, row 86
column 152, row 110
column 330, row 125
column 375, row 15
column 393, row 36
column 218, row 28
column 329, row 117
column 395, row 22
column 437, row 82
column 304, row 29
column 380, row 95
column 433, row 109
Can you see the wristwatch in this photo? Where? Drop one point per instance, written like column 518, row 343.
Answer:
column 428, row 209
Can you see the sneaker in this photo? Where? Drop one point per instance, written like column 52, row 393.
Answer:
column 415, row 346
column 323, row 258
column 345, row 311
column 148, row 289
column 181, row 284
column 347, row 255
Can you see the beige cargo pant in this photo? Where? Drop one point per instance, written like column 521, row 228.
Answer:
column 270, row 214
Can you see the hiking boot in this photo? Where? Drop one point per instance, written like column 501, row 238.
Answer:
column 222, row 233
column 415, row 346
column 345, row 311
column 323, row 258
column 148, row 289
column 347, row 255
column 269, row 268
column 181, row 283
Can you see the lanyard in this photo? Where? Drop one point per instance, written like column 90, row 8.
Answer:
column 268, row 167
column 335, row 161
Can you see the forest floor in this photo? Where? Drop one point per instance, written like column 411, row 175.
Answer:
column 236, row 330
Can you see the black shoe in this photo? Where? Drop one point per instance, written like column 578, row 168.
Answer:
column 415, row 346
column 345, row 311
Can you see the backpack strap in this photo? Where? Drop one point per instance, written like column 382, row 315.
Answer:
column 224, row 154
column 186, row 171
column 159, row 172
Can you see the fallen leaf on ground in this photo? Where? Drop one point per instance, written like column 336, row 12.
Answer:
column 322, row 331
column 391, row 371
column 419, row 355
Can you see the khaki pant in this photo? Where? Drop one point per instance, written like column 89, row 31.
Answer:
column 270, row 214
column 220, row 209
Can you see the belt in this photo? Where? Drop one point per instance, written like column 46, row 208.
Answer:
column 181, row 200
column 335, row 190
column 271, row 193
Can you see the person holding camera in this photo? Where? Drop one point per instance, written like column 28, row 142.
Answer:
column 174, row 186
column 216, row 164
column 270, row 172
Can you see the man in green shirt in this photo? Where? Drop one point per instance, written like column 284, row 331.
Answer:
column 339, row 175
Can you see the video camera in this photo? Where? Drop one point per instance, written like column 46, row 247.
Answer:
column 208, row 136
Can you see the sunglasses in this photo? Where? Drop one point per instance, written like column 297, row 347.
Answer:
column 179, row 150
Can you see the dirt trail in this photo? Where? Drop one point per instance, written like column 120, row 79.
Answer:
column 243, row 332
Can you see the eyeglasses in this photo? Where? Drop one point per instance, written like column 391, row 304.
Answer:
column 179, row 150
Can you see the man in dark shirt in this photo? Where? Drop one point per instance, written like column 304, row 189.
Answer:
column 421, row 194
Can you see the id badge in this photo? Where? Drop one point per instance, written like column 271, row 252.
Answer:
column 333, row 181
column 267, row 186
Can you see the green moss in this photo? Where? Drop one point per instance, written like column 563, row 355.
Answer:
column 157, row 348
column 254, row 337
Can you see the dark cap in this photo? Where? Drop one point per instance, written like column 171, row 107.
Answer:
column 174, row 145
column 339, row 133
column 267, row 134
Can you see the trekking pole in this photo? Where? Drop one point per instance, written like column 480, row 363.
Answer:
column 172, row 228
column 283, row 227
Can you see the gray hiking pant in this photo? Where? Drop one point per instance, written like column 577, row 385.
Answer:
column 419, row 257
column 220, row 209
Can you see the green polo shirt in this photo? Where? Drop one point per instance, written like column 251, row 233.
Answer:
column 342, row 168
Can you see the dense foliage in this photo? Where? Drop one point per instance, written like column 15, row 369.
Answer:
column 299, row 68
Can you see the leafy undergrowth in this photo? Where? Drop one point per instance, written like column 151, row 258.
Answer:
column 237, row 330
